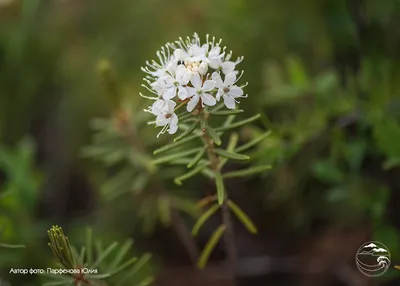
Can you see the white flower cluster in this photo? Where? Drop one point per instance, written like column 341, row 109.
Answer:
column 192, row 74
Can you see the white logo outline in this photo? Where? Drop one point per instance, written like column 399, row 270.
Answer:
column 368, row 251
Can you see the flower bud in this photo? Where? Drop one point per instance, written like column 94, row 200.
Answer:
column 203, row 68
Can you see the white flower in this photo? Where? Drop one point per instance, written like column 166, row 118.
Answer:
column 172, row 84
column 227, row 89
column 199, row 91
column 167, row 118
column 160, row 106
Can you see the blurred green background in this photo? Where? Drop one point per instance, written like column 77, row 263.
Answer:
column 323, row 74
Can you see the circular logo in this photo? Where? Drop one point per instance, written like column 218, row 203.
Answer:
column 373, row 259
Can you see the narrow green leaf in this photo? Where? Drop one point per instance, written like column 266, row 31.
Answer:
column 187, row 132
column 176, row 144
column 226, row 112
column 121, row 253
column 213, row 241
column 253, row 142
column 204, row 217
column 82, row 255
column 233, row 140
column 104, row 254
column 189, row 174
column 5, row 245
column 214, row 135
column 124, row 266
column 247, row 172
column 197, row 158
column 89, row 246
column 239, row 123
column 241, row 215
column 219, row 183
column 218, row 107
column 138, row 265
column 229, row 120
column 208, row 173
column 231, row 155
column 175, row 156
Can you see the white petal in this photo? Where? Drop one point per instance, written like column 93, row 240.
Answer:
column 158, row 106
column 215, row 63
column 228, row 67
column 196, row 80
column 161, row 120
column 235, row 91
column 230, row 79
column 192, row 103
column 229, row 102
column 208, row 99
column 208, row 85
column 172, row 129
column 218, row 80
column 166, row 81
column 190, row 91
column 174, row 119
column 180, row 55
column 219, row 94
column 182, row 75
column 170, row 106
column 182, row 92
column 170, row 93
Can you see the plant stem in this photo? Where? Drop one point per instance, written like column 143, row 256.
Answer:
column 229, row 236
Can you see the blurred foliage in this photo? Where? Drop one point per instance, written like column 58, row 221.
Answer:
column 323, row 77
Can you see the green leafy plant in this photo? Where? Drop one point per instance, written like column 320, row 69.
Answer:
column 181, row 79
column 94, row 263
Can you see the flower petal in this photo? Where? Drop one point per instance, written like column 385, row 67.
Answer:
column 182, row 76
column 229, row 102
column 158, row 107
column 218, row 80
column 208, row 99
column 208, row 85
column 235, row 91
column 219, row 94
column 228, row 67
column 169, row 93
column 230, row 79
column 192, row 103
column 182, row 92
column 170, row 106
column 196, row 80
column 161, row 120
column 190, row 91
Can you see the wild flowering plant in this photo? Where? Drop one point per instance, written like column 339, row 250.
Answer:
column 203, row 81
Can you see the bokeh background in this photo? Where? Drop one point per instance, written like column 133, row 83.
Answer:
column 323, row 74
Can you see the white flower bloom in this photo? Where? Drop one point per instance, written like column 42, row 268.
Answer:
column 183, row 68
column 227, row 89
column 167, row 118
column 200, row 91
column 171, row 84
column 160, row 106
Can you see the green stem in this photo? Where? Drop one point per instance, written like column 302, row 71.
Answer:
column 229, row 236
